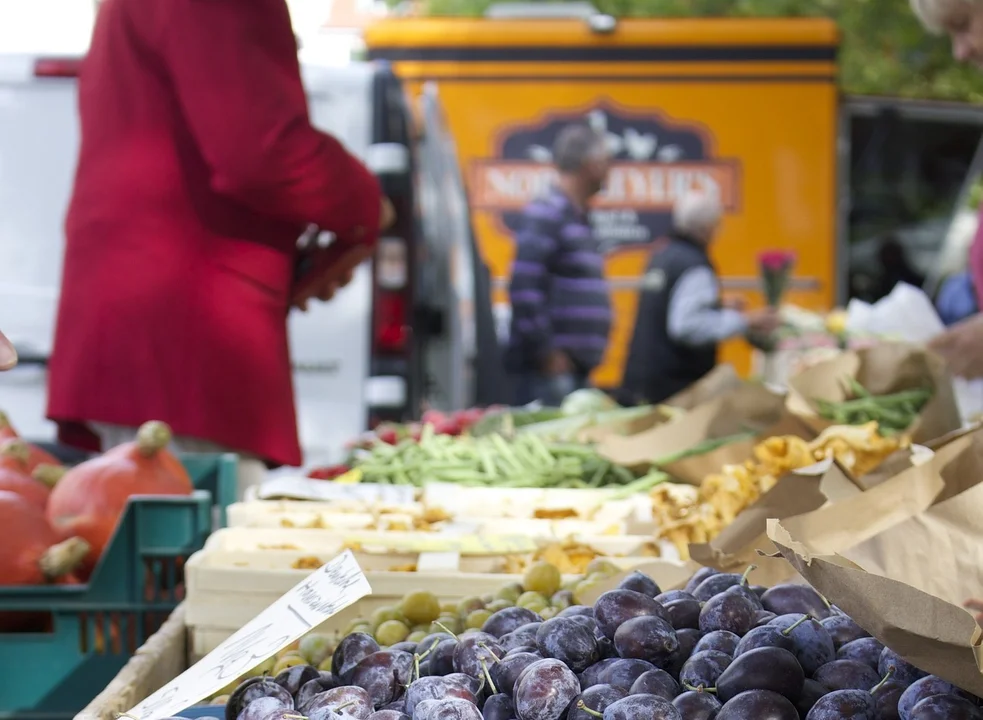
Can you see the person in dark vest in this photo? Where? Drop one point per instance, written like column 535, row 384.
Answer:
column 561, row 307
column 681, row 319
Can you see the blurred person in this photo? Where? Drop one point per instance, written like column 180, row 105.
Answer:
column 956, row 300
column 962, row 20
column 561, row 306
column 681, row 319
column 895, row 268
column 198, row 171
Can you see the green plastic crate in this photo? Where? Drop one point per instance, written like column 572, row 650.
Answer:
column 88, row 632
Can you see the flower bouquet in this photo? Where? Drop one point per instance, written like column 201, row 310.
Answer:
column 776, row 271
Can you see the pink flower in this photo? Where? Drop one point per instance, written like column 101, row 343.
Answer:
column 776, row 260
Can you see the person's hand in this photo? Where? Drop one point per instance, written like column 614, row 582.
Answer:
column 976, row 607
column 387, row 215
column 734, row 303
column 961, row 346
column 763, row 322
column 326, row 290
column 8, row 355
column 557, row 363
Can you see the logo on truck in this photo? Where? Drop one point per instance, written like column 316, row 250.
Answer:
column 655, row 161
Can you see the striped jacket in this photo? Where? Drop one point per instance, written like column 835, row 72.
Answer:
column 560, row 297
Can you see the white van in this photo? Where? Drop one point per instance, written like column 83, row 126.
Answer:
column 399, row 338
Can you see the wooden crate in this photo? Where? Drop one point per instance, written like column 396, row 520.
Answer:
column 324, row 516
column 244, row 570
column 618, row 518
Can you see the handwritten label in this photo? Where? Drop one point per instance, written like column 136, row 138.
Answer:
column 323, row 593
column 439, row 543
column 299, row 488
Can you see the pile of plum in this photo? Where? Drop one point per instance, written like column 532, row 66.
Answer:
column 717, row 649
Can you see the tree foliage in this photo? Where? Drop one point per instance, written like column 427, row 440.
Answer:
column 885, row 50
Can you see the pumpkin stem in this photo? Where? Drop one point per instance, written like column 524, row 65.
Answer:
column 152, row 437
column 64, row 557
column 16, row 449
column 48, row 474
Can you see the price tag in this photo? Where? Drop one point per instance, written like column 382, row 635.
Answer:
column 438, row 562
column 300, row 488
column 323, row 593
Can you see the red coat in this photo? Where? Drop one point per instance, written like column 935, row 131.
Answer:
column 199, row 169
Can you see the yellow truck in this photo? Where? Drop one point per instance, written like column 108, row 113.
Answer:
column 745, row 109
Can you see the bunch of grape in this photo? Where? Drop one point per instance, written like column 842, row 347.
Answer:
column 718, row 649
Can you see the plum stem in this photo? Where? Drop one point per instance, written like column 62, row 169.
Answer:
column 491, row 683
column 750, row 569
column 829, row 605
column 484, row 646
column 879, row 685
column 700, row 689
column 593, row 713
column 416, row 665
column 788, row 631
column 347, row 704
column 444, row 628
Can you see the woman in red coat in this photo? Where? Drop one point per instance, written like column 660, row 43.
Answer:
column 199, row 169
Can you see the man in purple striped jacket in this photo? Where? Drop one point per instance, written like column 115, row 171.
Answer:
column 561, row 307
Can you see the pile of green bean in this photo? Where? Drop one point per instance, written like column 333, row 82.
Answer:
column 893, row 413
column 490, row 460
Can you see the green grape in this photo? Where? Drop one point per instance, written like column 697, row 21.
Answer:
column 417, row 635
column 468, row 605
column 495, row 605
column 532, row 601
column 582, row 588
column 562, row 599
column 476, row 620
column 603, row 567
column 452, row 622
column 315, row 648
column 391, row 632
column 420, row 606
column 542, row 578
column 385, row 614
column 510, row 593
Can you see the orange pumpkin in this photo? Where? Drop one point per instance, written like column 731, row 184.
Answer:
column 90, row 499
column 34, row 487
column 31, row 553
column 36, row 456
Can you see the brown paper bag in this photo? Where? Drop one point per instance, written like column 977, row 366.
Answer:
column 722, row 379
column 624, row 428
column 749, row 407
column 737, row 546
column 902, row 557
column 882, row 369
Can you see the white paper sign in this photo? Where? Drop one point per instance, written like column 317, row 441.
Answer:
column 323, row 593
column 300, row 488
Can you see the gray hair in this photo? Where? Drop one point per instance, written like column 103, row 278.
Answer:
column 697, row 214
column 930, row 14
column 575, row 146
